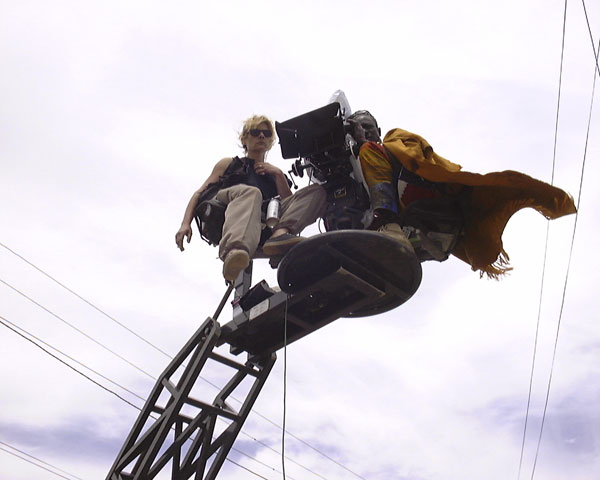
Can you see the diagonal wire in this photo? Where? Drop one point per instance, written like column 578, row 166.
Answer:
column 564, row 293
column 264, row 417
column 285, row 334
column 65, row 363
column 72, row 359
column 11, row 325
column 591, row 37
column 562, row 57
column 539, row 313
column 535, row 344
column 85, row 300
column 33, row 463
column 2, row 320
column 38, row 460
column 140, row 369
column 89, row 337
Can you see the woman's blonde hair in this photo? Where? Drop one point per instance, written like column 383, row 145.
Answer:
column 253, row 122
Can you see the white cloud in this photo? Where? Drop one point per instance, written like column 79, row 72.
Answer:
column 113, row 114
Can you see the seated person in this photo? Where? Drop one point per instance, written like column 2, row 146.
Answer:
column 243, row 184
column 491, row 198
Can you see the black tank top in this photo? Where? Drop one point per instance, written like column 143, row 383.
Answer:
column 265, row 183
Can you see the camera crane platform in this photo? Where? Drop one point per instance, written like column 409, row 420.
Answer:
column 344, row 273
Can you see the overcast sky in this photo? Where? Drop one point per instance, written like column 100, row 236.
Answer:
column 113, row 113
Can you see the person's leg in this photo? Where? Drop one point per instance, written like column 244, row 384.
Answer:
column 301, row 209
column 296, row 212
column 381, row 173
column 241, row 229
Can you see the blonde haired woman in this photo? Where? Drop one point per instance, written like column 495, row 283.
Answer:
column 244, row 184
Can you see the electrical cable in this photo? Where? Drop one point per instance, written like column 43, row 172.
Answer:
column 285, row 319
column 38, row 460
column 313, row 448
column 564, row 292
column 285, row 324
column 275, row 424
column 100, row 385
column 2, row 320
column 76, row 329
column 65, row 363
column 539, row 312
column 535, row 344
column 562, row 56
column 33, row 463
column 246, row 468
column 137, row 395
column 591, row 37
column 74, row 359
column 106, row 378
column 84, row 300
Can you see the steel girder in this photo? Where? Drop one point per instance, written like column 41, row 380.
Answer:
column 163, row 435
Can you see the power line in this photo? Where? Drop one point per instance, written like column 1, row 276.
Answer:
column 565, row 284
column 135, row 394
column 285, row 320
column 73, row 359
column 246, row 468
column 78, row 478
column 130, row 391
column 171, row 357
column 68, row 365
column 89, row 337
column 85, row 300
column 110, row 317
column 71, row 476
column 591, row 38
column 311, row 447
column 2, row 320
column 539, row 313
column 106, row 378
column 564, row 292
column 562, row 56
column 39, row 460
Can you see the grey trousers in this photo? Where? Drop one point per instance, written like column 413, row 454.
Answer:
column 242, row 227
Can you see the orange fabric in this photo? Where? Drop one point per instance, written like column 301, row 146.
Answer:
column 376, row 166
column 495, row 197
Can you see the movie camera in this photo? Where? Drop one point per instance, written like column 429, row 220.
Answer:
column 321, row 141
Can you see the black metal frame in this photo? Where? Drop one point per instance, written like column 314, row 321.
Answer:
column 355, row 273
column 192, row 450
column 257, row 328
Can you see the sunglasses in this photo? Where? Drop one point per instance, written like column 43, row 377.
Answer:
column 255, row 132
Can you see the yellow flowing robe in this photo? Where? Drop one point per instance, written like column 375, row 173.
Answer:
column 495, row 197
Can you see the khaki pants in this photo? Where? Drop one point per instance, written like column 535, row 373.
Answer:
column 242, row 227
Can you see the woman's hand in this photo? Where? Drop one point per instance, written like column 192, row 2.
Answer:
column 264, row 168
column 281, row 183
column 184, row 231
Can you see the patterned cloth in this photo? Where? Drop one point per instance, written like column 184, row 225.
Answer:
column 493, row 197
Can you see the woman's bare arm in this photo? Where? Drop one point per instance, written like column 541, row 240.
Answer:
column 185, row 231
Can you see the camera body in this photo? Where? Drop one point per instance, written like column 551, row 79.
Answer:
column 322, row 142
